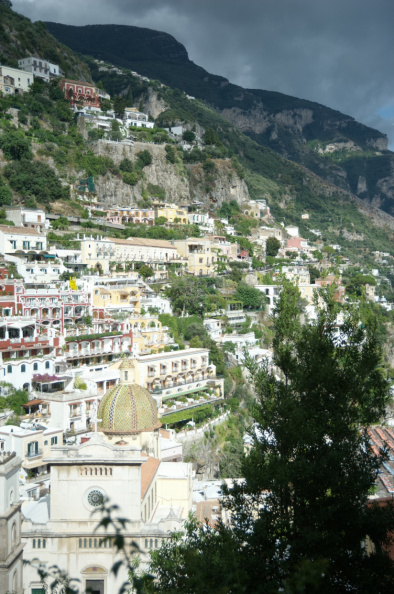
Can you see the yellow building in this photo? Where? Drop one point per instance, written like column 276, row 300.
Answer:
column 172, row 212
column 126, row 297
column 200, row 254
column 149, row 336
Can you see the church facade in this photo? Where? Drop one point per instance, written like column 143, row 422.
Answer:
column 120, row 465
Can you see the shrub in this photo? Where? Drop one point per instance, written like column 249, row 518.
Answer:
column 36, row 179
column 126, row 165
column 170, row 153
column 130, row 178
column 15, row 145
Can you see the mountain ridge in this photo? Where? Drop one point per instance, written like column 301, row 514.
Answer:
column 331, row 144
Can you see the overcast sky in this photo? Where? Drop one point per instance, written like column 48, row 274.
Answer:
column 336, row 52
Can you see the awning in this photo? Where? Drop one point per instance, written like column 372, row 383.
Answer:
column 49, row 255
column 32, row 403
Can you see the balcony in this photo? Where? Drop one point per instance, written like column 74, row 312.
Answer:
column 35, row 454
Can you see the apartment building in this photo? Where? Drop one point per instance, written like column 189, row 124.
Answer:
column 133, row 117
column 122, row 216
column 21, row 239
column 40, row 67
column 99, row 253
column 80, row 92
column 172, row 375
column 149, row 336
column 172, row 212
column 257, row 208
column 31, row 445
column 26, row 351
column 22, row 79
column 28, row 218
column 199, row 253
column 7, row 84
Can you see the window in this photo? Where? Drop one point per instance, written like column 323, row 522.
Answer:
column 9, row 368
column 23, row 369
column 13, row 243
column 35, row 367
column 47, row 364
column 46, row 442
column 54, row 440
column 26, row 245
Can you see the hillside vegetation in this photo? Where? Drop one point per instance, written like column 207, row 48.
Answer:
column 297, row 129
column 19, row 37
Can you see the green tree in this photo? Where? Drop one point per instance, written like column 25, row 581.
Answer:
column 61, row 223
column 15, row 145
column 189, row 136
column 146, row 271
column 272, row 246
column 126, row 165
column 251, row 298
column 119, row 106
column 160, row 221
column 301, row 518
column 5, row 194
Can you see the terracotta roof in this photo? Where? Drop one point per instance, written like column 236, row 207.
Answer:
column 19, row 230
column 164, row 433
column 32, row 403
column 148, row 471
column 141, row 241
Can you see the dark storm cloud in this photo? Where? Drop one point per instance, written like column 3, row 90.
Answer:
column 336, row 52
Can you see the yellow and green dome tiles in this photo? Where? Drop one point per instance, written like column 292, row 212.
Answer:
column 127, row 408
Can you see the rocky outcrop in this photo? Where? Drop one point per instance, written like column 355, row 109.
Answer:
column 213, row 189
column 181, row 184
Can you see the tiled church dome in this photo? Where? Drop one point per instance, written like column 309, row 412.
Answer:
column 127, row 408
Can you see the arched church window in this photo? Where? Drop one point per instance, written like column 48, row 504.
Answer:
column 13, row 535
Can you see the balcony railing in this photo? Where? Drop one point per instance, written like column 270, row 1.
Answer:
column 35, row 454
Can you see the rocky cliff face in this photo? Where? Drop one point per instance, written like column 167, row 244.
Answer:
column 181, row 184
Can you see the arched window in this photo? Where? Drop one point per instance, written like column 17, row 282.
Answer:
column 9, row 368
column 35, row 367
column 13, row 535
column 23, row 368
column 47, row 364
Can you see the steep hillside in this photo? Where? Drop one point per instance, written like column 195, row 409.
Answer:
column 331, row 144
column 19, row 37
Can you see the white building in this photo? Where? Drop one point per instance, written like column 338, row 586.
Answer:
column 28, row 218
column 13, row 239
column 99, row 252
column 271, row 293
column 198, row 218
column 11, row 549
column 31, row 445
column 22, row 79
column 133, row 117
column 39, row 67
column 292, row 230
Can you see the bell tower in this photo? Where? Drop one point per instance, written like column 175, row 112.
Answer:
column 11, row 549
